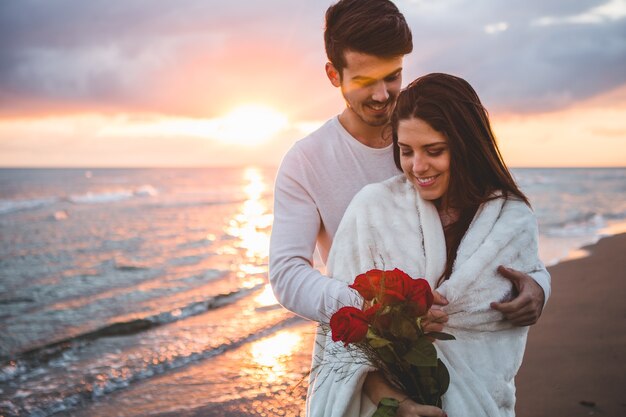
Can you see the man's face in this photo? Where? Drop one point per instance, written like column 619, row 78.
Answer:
column 370, row 85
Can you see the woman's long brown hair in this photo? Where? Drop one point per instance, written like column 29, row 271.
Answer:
column 450, row 106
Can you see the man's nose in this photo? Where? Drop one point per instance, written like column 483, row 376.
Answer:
column 381, row 93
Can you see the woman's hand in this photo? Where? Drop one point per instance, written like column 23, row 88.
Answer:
column 436, row 317
column 409, row 408
column 376, row 388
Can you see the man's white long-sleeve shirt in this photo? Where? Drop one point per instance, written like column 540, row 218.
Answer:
column 316, row 181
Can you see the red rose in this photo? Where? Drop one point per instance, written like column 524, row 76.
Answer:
column 368, row 284
column 348, row 325
column 396, row 286
column 370, row 313
column 420, row 296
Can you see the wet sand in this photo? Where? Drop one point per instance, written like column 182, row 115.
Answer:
column 575, row 361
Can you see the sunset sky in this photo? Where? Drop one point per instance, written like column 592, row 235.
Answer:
column 204, row 83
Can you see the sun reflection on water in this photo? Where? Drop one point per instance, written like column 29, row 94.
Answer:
column 274, row 353
column 251, row 228
column 266, row 298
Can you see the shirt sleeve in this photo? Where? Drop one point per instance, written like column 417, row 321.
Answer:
column 542, row 277
column 297, row 285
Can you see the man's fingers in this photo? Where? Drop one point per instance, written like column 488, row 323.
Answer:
column 524, row 316
column 526, row 306
column 509, row 306
column 512, row 275
column 525, row 319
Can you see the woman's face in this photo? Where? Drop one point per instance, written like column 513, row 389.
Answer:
column 425, row 158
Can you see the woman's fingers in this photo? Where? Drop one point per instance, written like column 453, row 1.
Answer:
column 409, row 408
column 434, row 320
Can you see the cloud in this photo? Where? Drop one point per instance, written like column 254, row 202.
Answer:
column 194, row 58
column 525, row 68
column 496, row 27
column 610, row 11
column 188, row 57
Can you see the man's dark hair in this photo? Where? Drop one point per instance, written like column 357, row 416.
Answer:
column 373, row 27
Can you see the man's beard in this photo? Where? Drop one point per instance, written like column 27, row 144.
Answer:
column 375, row 121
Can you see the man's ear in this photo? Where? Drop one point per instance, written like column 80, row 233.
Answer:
column 333, row 75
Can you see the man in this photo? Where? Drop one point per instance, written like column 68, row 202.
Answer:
column 366, row 41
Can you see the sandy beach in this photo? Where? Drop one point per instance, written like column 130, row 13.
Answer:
column 575, row 361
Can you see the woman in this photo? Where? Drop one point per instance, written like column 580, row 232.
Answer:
column 452, row 218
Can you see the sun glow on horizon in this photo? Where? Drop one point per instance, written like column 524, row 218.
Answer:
column 250, row 124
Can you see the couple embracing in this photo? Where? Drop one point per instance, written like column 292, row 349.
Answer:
column 412, row 179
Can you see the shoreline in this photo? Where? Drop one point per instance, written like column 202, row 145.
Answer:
column 581, row 249
column 575, row 360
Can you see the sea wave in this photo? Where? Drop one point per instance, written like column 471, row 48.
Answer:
column 49, row 351
column 120, row 376
column 38, row 383
column 113, row 196
column 10, row 206
column 583, row 225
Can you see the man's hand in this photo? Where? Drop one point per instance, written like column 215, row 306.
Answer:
column 436, row 317
column 525, row 309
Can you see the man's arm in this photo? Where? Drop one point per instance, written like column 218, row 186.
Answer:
column 533, row 291
column 298, row 286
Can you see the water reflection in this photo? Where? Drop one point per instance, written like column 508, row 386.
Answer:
column 251, row 228
column 276, row 352
column 266, row 298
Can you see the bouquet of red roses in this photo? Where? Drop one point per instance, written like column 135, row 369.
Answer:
column 391, row 336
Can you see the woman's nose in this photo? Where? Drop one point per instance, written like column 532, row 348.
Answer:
column 420, row 165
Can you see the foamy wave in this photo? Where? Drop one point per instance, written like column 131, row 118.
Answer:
column 106, row 197
column 146, row 191
column 113, row 196
column 583, row 226
column 10, row 206
column 566, row 242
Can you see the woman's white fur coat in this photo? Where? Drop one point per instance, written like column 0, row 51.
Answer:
column 388, row 225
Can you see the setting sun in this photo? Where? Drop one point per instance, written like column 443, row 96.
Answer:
column 250, row 124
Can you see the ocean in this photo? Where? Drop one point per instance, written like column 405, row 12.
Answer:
column 136, row 292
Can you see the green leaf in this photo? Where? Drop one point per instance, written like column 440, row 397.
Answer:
column 442, row 376
column 378, row 342
column 386, row 354
column 403, row 328
column 387, row 407
column 440, row 336
column 423, row 353
column 375, row 340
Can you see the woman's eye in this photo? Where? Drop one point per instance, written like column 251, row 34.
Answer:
column 435, row 152
column 405, row 152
